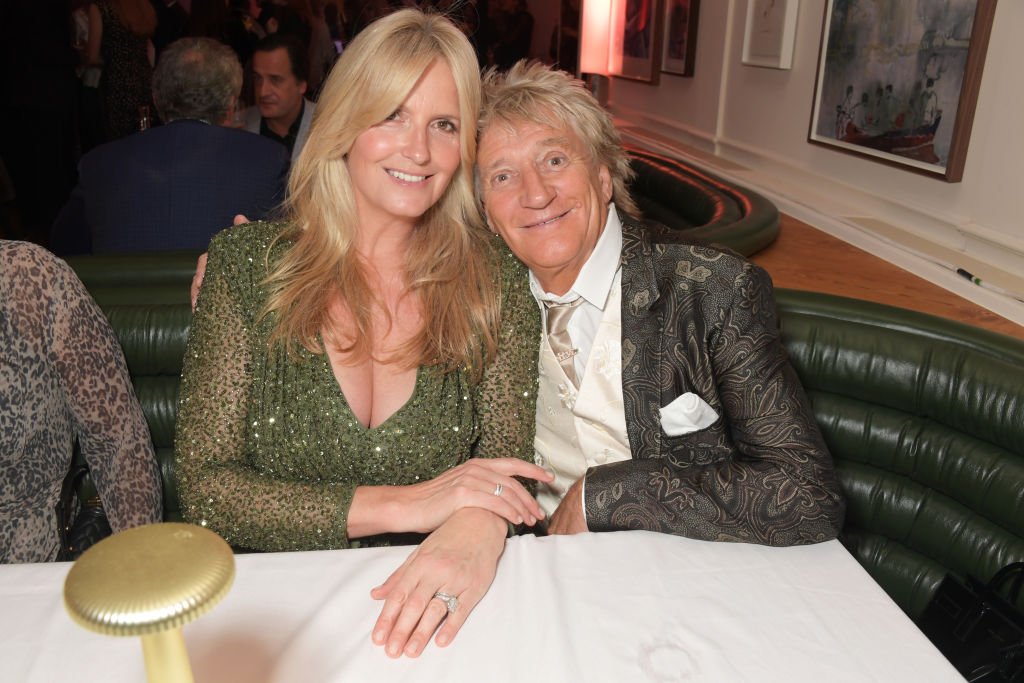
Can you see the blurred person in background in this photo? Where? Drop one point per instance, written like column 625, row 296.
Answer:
column 119, row 33
column 281, row 113
column 175, row 185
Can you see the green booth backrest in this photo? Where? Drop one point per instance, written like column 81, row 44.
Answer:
column 145, row 278
column 706, row 208
column 153, row 339
column 925, row 420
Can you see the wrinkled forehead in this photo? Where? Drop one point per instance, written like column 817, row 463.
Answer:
column 525, row 115
column 502, row 136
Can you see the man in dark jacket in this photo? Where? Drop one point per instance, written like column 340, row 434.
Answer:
column 176, row 185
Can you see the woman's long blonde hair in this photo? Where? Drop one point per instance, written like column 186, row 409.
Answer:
column 447, row 258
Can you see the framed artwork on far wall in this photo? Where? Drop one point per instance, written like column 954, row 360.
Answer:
column 636, row 36
column 770, row 33
column 899, row 84
column 679, row 46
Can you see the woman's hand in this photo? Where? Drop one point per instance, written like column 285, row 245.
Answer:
column 197, row 279
column 486, row 483
column 460, row 558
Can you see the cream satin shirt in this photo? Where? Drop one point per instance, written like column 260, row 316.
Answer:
column 569, row 460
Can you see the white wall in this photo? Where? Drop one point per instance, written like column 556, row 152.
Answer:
column 752, row 123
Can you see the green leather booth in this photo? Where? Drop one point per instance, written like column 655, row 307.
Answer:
column 708, row 209
column 925, row 420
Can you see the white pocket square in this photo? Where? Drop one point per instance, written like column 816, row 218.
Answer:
column 687, row 413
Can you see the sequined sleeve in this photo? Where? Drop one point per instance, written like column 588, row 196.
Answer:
column 507, row 396
column 219, row 486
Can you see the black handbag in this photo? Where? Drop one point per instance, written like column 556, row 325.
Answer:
column 79, row 531
column 980, row 631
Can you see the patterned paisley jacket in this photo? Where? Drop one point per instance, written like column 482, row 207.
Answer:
column 696, row 319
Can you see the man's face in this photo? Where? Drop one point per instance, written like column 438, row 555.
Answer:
column 278, row 92
column 544, row 196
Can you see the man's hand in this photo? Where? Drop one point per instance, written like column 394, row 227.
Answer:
column 568, row 517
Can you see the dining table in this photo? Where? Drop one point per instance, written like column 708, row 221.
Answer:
column 621, row 606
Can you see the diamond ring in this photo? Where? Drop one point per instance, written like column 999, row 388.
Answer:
column 498, row 489
column 450, row 601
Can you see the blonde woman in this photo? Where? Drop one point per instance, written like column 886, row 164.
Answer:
column 368, row 368
column 119, row 33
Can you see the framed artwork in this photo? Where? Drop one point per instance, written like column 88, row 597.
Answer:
column 770, row 33
column 898, row 81
column 636, row 36
column 679, row 46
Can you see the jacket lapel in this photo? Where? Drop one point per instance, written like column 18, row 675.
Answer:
column 642, row 341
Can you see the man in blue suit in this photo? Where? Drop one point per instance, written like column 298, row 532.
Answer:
column 176, row 185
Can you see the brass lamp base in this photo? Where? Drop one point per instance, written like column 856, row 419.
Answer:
column 148, row 582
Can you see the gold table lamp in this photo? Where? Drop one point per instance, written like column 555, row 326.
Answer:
column 150, row 581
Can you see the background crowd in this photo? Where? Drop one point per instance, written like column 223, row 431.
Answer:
column 80, row 75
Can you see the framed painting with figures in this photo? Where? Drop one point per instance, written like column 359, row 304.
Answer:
column 898, row 80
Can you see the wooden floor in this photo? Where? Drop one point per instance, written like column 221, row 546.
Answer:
column 808, row 259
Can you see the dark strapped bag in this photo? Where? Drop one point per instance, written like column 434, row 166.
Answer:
column 980, row 631
column 79, row 531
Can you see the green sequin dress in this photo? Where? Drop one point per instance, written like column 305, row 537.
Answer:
column 269, row 453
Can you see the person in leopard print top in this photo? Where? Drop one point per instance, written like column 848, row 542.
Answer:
column 63, row 376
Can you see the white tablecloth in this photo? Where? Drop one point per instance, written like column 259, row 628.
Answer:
column 628, row 606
